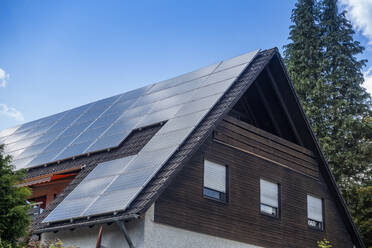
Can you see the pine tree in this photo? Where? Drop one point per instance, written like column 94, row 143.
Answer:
column 348, row 143
column 323, row 65
column 14, row 218
column 347, row 140
column 303, row 57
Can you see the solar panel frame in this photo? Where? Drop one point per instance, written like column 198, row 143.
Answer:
column 158, row 116
column 69, row 209
column 110, row 168
column 73, row 150
column 105, row 142
column 128, row 180
column 172, row 101
column 116, row 198
column 91, row 134
column 167, row 139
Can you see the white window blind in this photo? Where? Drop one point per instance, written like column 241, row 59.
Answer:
column 215, row 176
column 269, row 193
column 314, row 208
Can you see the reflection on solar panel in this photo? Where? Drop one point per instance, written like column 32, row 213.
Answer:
column 182, row 102
column 106, row 123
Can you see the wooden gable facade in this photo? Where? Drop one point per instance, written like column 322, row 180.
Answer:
column 264, row 136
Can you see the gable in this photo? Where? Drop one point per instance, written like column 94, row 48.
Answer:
column 251, row 155
column 159, row 182
column 296, row 120
column 284, row 117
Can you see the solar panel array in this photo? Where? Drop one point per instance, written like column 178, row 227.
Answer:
column 182, row 102
column 104, row 124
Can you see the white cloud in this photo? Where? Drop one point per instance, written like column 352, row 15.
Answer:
column 3, row 78
column 360, row 14
column 368, row 80
column 11, row 112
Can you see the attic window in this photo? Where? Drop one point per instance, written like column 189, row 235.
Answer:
column 214, row 181
column 269, row 198
column 315, row 212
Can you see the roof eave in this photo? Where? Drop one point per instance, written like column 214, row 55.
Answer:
column 87, row 223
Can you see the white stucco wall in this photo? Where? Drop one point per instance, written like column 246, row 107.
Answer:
column 164, row 236
column 145, row 233
column 112, row 236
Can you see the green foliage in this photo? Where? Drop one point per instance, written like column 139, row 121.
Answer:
column 14, row 218
column 322, row 62
column 360, row 198
column 324, row 243
column 5, row 244
column 348, row 134
column 48, row 244
column 303, row 57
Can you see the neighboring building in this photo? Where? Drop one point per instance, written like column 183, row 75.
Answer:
column 219, row 157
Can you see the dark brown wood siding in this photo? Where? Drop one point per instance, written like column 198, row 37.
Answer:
column 250, row 139
column 256, row 155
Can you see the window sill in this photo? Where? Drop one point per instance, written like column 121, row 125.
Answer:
column 214, row 195
column 277, row 217
column 315, row 229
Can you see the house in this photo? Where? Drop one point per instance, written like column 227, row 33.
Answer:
column 219, row 157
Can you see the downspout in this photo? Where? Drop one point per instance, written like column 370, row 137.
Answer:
column 99, row 238
column 126, row 234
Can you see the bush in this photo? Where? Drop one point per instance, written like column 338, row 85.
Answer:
column 324, row 243
column 14, row 218
column 48, row 244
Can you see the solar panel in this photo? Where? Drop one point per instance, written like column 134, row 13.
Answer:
column 182, row 102
column 115, row 198
column 73, row 150
column 202, row 72
column 90, row 189
column 70, row 208
column 158, row 116
column 110, row 168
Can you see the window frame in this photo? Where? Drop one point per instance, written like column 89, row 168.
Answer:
column 278, row 215
column 225, row 196
column 322, row 229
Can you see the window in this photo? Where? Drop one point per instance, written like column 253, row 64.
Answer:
column 214, row 181
column 39, row 201
column 269, row 198
column 315, row 212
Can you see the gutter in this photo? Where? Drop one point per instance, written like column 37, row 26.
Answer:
column 88, row 223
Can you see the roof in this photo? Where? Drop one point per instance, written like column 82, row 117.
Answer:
column 158, row 183
column 106, row 123
column 173, row 163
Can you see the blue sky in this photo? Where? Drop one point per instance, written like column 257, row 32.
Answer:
column 56, row 55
